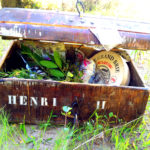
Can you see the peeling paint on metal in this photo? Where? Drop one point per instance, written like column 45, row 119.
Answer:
column 40, row 33
column 33, row 83
column 7, row 11
column 112, row 94
column 103, row 104
column 134, row 40
column 130, row 104
column 54, row 102
column 52, row 84
column 98, row 103
column 7, row 82
column 91, row 42
column 39, row 26
column 11, row 32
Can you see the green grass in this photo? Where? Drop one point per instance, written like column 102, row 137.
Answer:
column 15, row 136
column 132, row 135
column 3, row 46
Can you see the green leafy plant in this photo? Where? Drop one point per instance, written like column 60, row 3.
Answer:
column 21, row 73
column 22, row 128
column 48, row 64
column 4, row 75
column 34, row 56
column 55, row 67
column 48, row 123
column 57, row 59
column 66, row 113
column 74, row 74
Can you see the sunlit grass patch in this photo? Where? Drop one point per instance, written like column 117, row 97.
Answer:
column 16, row 136
column 133, row 135
column 92, row 134
column 4, row 44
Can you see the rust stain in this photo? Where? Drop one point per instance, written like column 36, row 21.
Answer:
column 45, row 24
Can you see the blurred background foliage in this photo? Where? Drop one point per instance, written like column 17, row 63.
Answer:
column 135, row 9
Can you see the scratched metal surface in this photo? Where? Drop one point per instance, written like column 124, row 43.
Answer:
column 69, row 27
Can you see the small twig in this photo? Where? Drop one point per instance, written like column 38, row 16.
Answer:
column 101, row 134
column 65, row 121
